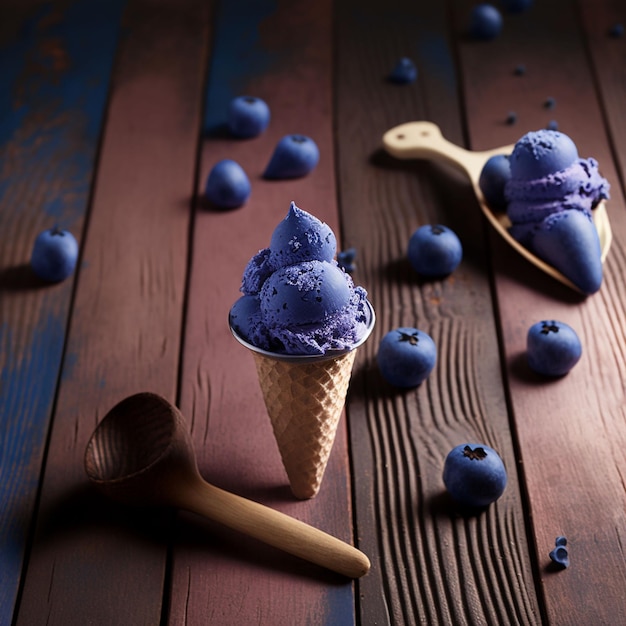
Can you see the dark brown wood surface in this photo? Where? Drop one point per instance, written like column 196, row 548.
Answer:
column 431, row 564
column 112, row 116
column 101, row 563
column 292, row 72
column 571, row 431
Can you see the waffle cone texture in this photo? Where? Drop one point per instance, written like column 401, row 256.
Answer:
column 305, row 400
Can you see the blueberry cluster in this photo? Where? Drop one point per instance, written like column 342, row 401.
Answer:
column 227, row 185
column 406, row 356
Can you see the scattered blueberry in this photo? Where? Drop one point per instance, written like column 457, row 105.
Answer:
column 485, row 22
column 560, row 554
column 550, row 103
column 248, row 116
column 406, row 356
column 520, row 70
column 227, row 185
column 54, row 255
column 493, row 178
column 511, row 118
column 404, row 72
column 434, row 250
column 515, row 6
column 552, row 348
column 617, row 31
column 346, row 258
column 474, row 475
column 553, row 125
column 293, row 157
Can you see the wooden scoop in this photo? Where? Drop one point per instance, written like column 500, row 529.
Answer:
column 423, row 140
column 141, row 453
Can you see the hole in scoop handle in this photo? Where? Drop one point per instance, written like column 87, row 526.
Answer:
column 273, row 527
column 423, row 140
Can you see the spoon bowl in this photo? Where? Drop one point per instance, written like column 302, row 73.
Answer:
column 141, row 453
column 423, row 140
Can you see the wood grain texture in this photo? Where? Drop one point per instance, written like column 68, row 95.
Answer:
column 93, row 561
column 53, row 93
column 430, row 564
column 281, row 52
column 571, row 431
column 607, row 54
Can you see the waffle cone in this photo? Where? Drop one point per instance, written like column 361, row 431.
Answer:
column 304, row 400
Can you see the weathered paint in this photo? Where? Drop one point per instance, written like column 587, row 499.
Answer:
column 54, row 79
column 237, row 55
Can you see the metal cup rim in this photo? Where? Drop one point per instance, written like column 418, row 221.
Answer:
column 309, row 358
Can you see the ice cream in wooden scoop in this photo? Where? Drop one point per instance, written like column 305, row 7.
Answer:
column 141, row 453
column 423, row 140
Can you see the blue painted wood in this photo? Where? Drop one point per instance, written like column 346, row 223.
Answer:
column 238, row 56
column 55, row 68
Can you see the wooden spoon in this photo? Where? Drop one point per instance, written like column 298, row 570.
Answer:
column 423, row 140
column 141, row 453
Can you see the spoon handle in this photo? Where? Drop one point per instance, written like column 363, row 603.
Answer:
column 272, row 527
column 423, row 140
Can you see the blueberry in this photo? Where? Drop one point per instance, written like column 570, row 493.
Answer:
column 485, row 22
column 346, row 260
column 404, row 72
column 520, row 70
column 227, row 186
column 54, row 255
column 248, row 116
column 493, row 178
column 474, row 475
column 560, row 554
column 294, row 156
column 552, row 348
column 511, row 118
column 406, row 356
column 434, row 250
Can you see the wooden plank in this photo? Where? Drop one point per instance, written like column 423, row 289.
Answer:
column 607, row 54
column 94, row 562
column 572, row 432
column 53, row 92
column 283, row 54
column 431, row 565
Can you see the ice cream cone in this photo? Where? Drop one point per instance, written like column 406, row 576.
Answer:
column 304, row 397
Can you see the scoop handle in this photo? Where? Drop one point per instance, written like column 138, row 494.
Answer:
column 423, row 140
column 272, row 527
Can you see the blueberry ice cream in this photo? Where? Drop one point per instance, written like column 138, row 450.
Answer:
column 550, row 197
column 296, row 299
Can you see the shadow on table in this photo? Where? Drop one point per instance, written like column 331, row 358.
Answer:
column 20, row 278
column 199, row 538
column 85, row 522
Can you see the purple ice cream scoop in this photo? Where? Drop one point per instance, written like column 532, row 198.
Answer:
column 301, row 237
column 577, row 186
column 304, row 293
column 297, row 300
column 540, row 153
column 549, row 178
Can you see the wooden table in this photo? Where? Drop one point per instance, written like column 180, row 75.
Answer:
column 112, row 114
